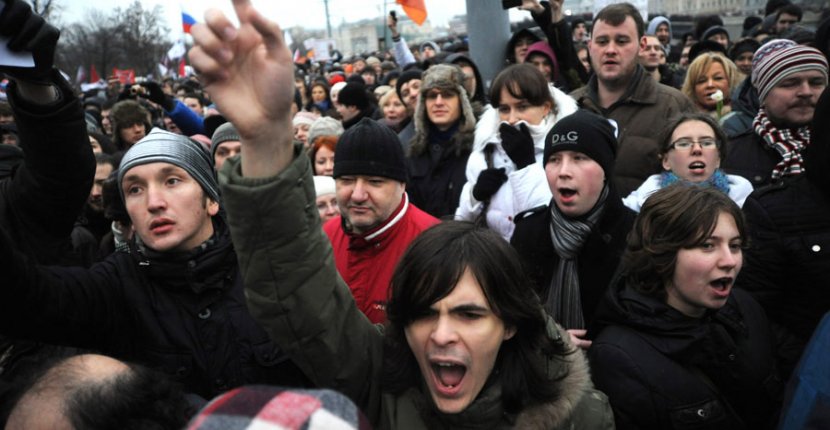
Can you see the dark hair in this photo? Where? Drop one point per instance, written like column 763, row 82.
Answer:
column 318, row 83
column 135, row 398
column 430, row 269
column 104, row 158
column 104, row 141
column 193, row 95
column 674, row 122
column 790, row 9
column 522, row 81
column 615, row 15
column 673, row 218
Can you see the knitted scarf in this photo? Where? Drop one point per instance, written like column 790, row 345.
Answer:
column 718, row 180
column 564, row 303
column 788, row 142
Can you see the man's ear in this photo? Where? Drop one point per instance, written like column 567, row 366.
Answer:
column 643, row 43
column 212, row 207
column 509, row 332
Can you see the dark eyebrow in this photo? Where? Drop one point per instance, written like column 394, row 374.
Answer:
column 470, row 307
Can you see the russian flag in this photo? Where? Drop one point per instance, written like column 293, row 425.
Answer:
column 187, row 22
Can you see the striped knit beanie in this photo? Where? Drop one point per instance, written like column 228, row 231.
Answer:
column 164, row 147
column 780, row 58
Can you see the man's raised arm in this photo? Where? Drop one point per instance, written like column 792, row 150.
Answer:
column 250, row 74
column 291, row 284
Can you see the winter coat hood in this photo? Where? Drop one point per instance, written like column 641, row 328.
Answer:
column 656, row 21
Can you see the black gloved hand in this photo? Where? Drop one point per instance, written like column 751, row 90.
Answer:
column 489, row 181
column 28, row 32
column 156, row 95
column 518, row 144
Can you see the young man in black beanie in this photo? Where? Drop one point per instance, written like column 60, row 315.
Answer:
column 571, row 247
column 377, row 221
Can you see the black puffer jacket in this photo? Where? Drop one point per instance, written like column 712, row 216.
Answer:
column 651, row 360
column 183, row 314
column 787, row 267
column 597, row 261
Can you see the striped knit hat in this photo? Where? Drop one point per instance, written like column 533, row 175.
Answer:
column 164, row 147
column 780, row 58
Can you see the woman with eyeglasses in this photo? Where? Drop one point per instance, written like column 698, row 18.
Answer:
column 691, row 151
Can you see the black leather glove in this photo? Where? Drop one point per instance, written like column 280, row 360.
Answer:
column 518, row 144
column 489, row 181
column 28, row 32
column 156, row 95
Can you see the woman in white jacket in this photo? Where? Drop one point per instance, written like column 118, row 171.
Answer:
column 505, row 173
column 691, row 151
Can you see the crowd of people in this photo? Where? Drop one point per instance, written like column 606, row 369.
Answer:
column 626, row 228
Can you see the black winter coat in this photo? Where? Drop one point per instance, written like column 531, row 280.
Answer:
column 747, row 155
column 787, row 267
column 597, row 262
column 41, row 201
column 183, row 314
column 650, row 360
column 437, row 173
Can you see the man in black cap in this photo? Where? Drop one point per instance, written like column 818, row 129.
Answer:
column 572, row 247
column 408, row 88
column 377, row 221
column 354, row 104
column 173, row 301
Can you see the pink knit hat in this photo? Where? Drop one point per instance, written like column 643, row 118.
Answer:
column 779, row 58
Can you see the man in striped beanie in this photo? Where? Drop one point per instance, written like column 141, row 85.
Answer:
column 789, row 79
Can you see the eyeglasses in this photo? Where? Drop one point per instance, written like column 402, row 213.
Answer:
column 686, row 144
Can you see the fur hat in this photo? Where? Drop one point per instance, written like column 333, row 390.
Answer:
column 124, row 114
column 779, row 58
column 444, row 77
column 164, row 147
column 224, row 133
column 584, row 132
column 372, row 149
column 324, row 126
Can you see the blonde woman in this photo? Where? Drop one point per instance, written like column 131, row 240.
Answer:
column 710, row 79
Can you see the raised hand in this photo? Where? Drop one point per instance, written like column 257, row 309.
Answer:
column 250, row 75
column 28, row 32
column 532, row 6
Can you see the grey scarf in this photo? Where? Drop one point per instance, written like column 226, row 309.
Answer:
column 568, row 234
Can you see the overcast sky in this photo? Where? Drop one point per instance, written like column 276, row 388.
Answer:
column 288, row 13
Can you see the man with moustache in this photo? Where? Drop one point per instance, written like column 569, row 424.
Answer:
column 377, row 221
column 789, row 79
column 622, row 90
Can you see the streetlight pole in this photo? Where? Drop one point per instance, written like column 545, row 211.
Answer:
column 328, row 22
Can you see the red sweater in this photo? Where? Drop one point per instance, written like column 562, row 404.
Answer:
column 366, row 261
